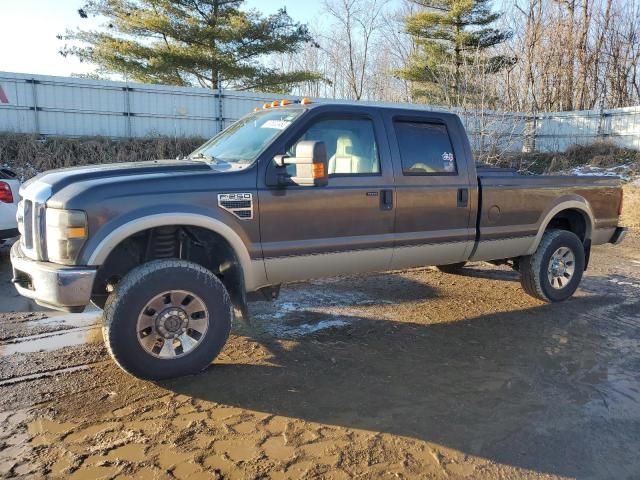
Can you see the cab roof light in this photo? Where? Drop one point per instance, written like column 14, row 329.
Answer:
column 266, row 105
column 284, row 102
column 305, row 101
column 275, row 103
column 257, row 109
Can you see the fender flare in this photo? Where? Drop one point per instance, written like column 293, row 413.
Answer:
column 576, row 203
column 252, row 273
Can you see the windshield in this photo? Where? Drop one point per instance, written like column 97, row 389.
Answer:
column 243, row 141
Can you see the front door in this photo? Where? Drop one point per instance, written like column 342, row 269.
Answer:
column 344, row 227
column 435, row 207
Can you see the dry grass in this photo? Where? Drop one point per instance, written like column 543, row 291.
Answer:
column 28, row 155
column 599, row 154
column 631, row 207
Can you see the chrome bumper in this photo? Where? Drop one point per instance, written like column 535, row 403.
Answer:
column 618, row 235
column 51, row 285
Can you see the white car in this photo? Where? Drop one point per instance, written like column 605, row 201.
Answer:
column 9, row 198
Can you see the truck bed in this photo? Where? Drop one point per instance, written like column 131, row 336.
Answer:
column 513, row 207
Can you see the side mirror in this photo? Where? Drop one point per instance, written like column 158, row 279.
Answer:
column 310, row 162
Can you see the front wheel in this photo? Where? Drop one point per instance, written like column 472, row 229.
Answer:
column 167, row 318
column 554, row 271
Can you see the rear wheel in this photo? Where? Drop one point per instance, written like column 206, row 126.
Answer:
column 167, row 318
column 453, row 268
column 554, row 271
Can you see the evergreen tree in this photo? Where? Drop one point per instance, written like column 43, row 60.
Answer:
column 190, row 42
column 451, row 37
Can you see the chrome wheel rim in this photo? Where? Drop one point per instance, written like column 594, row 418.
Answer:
column 562, row 266
column 172, row 324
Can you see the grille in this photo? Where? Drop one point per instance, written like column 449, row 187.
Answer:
column 28, row 224
column 234, row 204
column 239, row 204
column 34, row 198
column 243, row 213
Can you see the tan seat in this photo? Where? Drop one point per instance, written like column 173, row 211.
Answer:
column 344, row 160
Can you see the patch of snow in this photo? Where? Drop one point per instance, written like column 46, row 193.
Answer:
column 623, row 283
column 294, row 331
column 622, row 171
column 303, row 311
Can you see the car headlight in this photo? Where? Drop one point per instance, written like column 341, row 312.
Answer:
column 66, row 234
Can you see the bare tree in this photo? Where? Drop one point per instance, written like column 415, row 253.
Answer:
column 574, row 54
column 355, row 25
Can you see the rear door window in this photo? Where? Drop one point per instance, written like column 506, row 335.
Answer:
column 425, row 148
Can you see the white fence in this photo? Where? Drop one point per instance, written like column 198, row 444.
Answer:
column 46, row 105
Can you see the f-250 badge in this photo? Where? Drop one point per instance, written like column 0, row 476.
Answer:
column 240, row 204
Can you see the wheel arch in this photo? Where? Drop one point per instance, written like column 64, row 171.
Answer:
column 576, row 212
column 253, row 270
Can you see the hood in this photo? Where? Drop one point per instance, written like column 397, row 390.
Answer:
column 60, row 178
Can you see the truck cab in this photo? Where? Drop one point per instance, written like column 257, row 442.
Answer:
column 400, row 191
column 290, row 192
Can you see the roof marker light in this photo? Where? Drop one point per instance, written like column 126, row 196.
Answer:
column 305, row 101
column 284, row 102
column 266, row 105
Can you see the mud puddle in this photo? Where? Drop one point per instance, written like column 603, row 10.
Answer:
column 47, row 342
column 60, row 331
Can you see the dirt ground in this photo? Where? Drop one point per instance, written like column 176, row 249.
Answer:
column 414, row 374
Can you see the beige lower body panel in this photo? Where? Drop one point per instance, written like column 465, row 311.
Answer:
column 304, row 267
column 255, row 277
column 431, row 254
column 502, row 248
column 602, row 235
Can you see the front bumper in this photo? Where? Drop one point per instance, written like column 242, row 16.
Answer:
column 618, row 235
column 51, row 285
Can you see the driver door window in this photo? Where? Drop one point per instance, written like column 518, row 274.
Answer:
column 350, row 143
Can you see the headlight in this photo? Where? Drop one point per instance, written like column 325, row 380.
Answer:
column 66, row 234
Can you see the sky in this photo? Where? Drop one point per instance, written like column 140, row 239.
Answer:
column 28, row 30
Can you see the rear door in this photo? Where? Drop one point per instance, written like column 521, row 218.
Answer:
column 435, row 194
column 344, row 227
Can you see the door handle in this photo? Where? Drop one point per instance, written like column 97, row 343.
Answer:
column 463, row 197
column 386, row 199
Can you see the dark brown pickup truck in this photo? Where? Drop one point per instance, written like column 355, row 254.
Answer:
column 288, row 193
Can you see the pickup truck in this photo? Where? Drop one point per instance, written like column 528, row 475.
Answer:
column 171, row 249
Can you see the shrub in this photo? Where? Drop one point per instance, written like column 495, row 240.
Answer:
column 28, row 155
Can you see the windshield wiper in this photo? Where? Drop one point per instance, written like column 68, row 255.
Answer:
column 202, row 156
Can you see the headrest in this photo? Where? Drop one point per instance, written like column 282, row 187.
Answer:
column 344, row 146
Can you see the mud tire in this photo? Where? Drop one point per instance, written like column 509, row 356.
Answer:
column 132, row 294
column 452, row 268
column 533, row 268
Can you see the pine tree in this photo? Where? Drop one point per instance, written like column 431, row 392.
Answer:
column 450, row 37
column 190, row 42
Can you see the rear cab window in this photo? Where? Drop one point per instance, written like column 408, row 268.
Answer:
column 425, row 148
